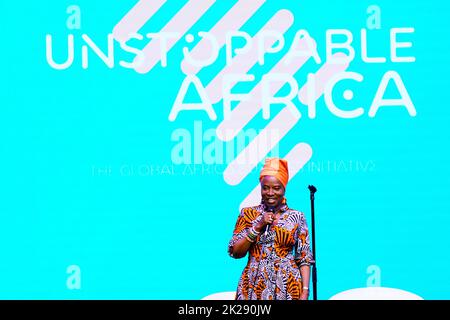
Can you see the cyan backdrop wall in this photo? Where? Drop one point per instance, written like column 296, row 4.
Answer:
column 95, row 205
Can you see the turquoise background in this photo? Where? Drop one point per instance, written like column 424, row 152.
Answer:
column 66, row 134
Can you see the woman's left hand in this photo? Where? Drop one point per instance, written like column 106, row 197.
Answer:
column 304, row 295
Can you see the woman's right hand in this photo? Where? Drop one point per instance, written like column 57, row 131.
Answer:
column 266, row 219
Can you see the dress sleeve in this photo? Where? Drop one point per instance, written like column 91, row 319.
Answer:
column 303, row 254
column 240, row 231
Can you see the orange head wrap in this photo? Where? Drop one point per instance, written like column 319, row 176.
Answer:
column 277, row 168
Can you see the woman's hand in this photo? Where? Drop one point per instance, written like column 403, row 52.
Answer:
column 305, row 294
column 266, row 219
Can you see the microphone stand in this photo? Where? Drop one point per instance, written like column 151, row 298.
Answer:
column 312, row 190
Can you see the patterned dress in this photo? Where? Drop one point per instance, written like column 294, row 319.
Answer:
column 272, row 271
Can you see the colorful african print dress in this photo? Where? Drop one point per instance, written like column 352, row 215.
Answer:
column 273, row 268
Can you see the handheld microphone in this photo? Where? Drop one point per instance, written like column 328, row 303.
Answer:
column 269, row 209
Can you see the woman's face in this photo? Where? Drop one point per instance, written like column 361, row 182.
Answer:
column 272, row 191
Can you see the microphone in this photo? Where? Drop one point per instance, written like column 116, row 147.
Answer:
column 269, row 209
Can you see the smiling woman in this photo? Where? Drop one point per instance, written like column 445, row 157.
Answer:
column 276, row 239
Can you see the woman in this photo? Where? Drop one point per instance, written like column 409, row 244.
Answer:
column 276, row 238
